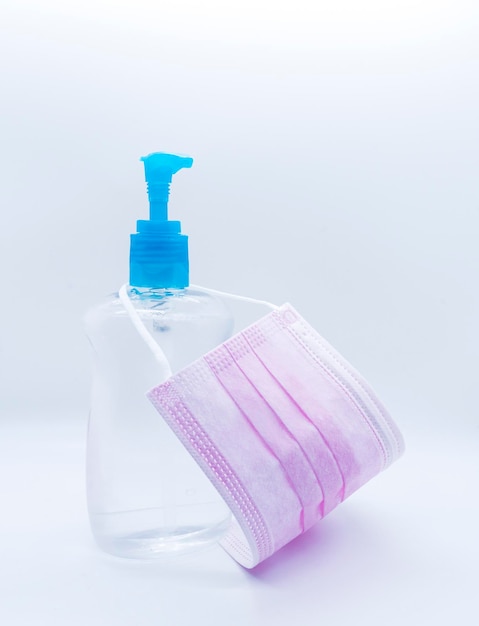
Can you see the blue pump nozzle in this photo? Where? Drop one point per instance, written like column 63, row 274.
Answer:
column 159, row 170
column 159, row 252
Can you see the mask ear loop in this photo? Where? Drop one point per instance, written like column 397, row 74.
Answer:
column 233, row 296
column 235, row 541
column 145, row 334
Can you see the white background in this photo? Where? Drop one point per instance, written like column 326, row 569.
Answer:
column 336, row 150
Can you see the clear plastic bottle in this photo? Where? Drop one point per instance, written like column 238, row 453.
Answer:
column 146, row 495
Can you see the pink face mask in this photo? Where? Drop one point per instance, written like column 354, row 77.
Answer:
column 283, row 427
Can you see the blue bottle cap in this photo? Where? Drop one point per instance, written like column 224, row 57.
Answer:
column 158, row 250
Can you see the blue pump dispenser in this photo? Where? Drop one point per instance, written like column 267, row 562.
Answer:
column 158, row 250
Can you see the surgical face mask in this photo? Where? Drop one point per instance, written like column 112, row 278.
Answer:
column 282, row 425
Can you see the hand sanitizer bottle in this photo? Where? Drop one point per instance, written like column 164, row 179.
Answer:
column 146, row 495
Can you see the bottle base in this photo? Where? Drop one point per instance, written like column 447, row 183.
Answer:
column 155, row 542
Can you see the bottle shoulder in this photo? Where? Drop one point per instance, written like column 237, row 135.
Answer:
column 181, row 304
column 186, row 325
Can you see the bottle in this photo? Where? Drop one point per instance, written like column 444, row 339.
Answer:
column 146, row 496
